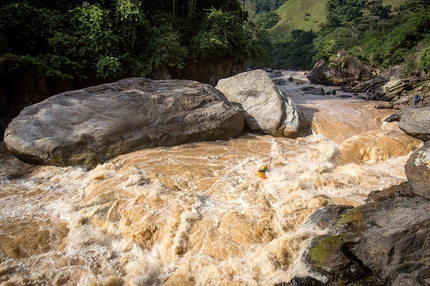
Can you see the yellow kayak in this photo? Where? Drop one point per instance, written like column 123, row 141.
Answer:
column 261, row 175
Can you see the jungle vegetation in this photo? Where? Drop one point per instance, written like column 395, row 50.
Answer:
column 73, row 39
column 110, row 39
column 375, row 31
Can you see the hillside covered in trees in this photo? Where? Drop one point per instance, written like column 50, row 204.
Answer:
column 47, row 47
column 379, row 34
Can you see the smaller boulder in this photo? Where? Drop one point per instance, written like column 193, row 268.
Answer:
column 393, row 117
column 385, row 105
column 401, row 190
column 275, row 73
column 416, row 122
column 279, row 81
column 314, row 90
column 417, row 170
column 267, row 109
column 344, row 69
column 331, row 92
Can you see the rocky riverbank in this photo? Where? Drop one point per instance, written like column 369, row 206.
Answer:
column 382, row 242
column 387, row 240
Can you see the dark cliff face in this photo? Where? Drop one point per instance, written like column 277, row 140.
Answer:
column 2, row 129
column 21, row 87
column 208, row 72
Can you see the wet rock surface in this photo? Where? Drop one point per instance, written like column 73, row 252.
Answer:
column 375, row 243
column 89, row 126
column 413, row 121
column 418, row 171
column 267, row 109
column 346, row 69
column 416, row 122
column 383, row 242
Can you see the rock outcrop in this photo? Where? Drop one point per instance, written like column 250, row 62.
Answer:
column 376, row 243
column 344, row 69
column 387, row 240
column 418, row 171
column 396, row 88
column 363, row 86
column 416, row 122
column 2, row 129
column 383, row 242
column 267, row 109
column 89, row 126
column 413, row 121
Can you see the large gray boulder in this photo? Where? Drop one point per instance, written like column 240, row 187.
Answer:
column 89, row 126
column 344, row 69
column 267, row 109
column 375, row 243
column 415, row 122
column 417, row 171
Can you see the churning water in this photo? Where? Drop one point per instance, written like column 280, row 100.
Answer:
column 196, row 214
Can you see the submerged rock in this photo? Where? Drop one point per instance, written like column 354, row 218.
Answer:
column 314, row 90
column 89, row 126
column 385, row 105
column 267, row 109
column 377, row 145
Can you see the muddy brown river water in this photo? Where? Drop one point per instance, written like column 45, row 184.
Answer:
column 196, row 214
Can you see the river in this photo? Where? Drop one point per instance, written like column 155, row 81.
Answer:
column 196, row 214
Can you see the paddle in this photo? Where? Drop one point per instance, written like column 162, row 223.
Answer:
column 268, row 168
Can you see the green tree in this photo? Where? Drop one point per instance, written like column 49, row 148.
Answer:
column 375, row 8
column 222, row 35
column 423, row 63
column 268, row 19
column 267, row 5
column 297, row 53
column 342, row 11
column 23, row 29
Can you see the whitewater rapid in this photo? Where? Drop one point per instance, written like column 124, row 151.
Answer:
column 196, row 214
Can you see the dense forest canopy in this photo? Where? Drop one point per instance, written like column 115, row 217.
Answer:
column 117, row 38
column 110, row 39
